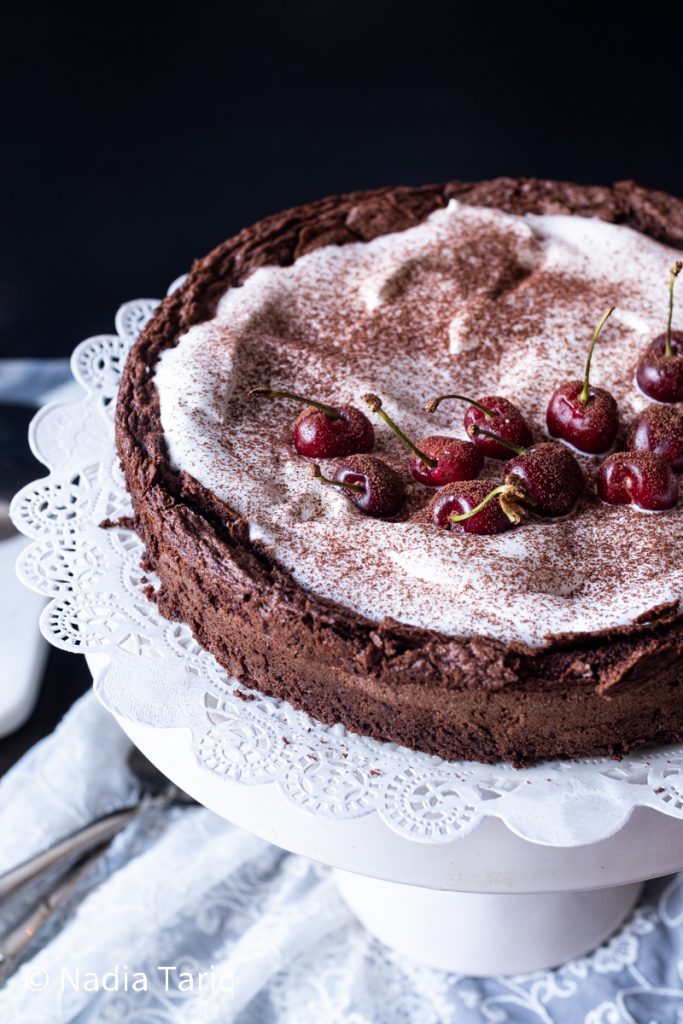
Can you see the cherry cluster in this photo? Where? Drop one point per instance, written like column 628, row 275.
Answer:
column 544, row 478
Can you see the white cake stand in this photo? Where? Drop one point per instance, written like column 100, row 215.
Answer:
column 477, row 869
column 487, row 903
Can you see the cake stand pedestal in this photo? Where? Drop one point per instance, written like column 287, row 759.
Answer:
column 487, row 903
column 486, row 933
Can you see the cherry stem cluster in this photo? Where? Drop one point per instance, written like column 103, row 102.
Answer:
column 509, row 493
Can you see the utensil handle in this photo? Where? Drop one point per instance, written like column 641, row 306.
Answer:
column 75, row 845
column 14, row 945
column 80, row 842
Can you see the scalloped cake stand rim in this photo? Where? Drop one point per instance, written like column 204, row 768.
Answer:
column 490, row 859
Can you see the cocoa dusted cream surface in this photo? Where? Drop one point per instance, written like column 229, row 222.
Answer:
column 475, row 301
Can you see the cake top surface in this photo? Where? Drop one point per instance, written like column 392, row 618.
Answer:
column 472, row 300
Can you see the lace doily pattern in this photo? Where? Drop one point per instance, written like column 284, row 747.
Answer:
column 158, row 675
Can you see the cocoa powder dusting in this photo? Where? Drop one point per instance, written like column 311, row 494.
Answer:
column 471, row 300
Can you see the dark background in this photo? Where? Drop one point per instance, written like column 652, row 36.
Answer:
column 137, row 137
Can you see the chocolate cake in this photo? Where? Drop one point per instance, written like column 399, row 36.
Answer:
column 560, row 638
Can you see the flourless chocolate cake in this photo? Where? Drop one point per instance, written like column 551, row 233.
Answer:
column 323, row 561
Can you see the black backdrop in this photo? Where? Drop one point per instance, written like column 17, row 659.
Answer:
column 135, row 138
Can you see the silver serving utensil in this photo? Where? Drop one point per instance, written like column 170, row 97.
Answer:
column 75, row 845
column 76, row 854
column 15, row 944
column 156, row 792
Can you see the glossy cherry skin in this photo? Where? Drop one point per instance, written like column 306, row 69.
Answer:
column 460, row 498
column 383, row 492
column 508, row 423
column 550, row 476
column 659, row 376
column 659, row 429
column 317, row 436
column 455, row 460
column 638, row 478
column 590, row 426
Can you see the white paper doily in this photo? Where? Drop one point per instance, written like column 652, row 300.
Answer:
column 158, row 675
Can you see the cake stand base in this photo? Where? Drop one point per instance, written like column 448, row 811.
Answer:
column 482, row 934
column 551, row 904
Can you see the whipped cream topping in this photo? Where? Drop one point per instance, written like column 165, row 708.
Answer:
column 473, row 301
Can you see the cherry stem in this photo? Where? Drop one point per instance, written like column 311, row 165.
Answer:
column 433, row 404
column 316, row 473
column 482, row 504
column 269, row 392
column 510, row 507
column 474, row 430
column 375, row 405
column 675, row 271
column 585, row 392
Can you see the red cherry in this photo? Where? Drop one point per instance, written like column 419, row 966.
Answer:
column 373, row 486
column 439, row 460
column 547, row 473
column 470, row 505
column 325, row 431
column 659, row 429
column 660, row 370
column 589, row 428
column 550, row 476
column 455, row 460
column 581, row 415
column 638, row 478
column 499, row 414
